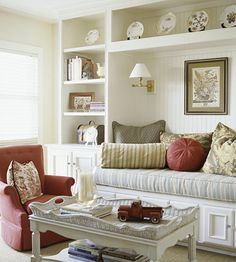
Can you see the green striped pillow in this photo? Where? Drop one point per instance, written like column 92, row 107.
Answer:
column 151, row 155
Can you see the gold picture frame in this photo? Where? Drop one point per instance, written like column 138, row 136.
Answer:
column 206, row 86
column 80, row 102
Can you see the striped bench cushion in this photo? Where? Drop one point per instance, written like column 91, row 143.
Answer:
column 151, row 155
column 193, row 184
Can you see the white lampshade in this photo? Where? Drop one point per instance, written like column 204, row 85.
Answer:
column 140, row 70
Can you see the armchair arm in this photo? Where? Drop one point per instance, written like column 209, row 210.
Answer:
column 11, row 207
column 58, row 185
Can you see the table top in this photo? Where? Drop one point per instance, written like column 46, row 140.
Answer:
column 173, row 218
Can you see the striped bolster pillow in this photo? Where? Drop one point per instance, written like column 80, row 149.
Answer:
column 133, row 155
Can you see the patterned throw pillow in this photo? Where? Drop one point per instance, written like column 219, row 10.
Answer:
column 25, row 178
column 137, row 135
column 151, row 155
column 222, row 156
column 203, row 138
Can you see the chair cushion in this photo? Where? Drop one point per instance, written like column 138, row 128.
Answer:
column 41, row 199
column 222, row 156
column 137, row 134
column 133, row 155
column 25, row 178
column 185, row 154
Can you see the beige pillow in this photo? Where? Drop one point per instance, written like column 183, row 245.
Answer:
column 222, row 156
column 25, row 178
column 151, row 155
column 203, row 138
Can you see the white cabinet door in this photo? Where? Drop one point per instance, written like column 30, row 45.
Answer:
column 59, row 162
column 218, row 226
column 84, row 159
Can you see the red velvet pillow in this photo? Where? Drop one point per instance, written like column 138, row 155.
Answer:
column 185, row 154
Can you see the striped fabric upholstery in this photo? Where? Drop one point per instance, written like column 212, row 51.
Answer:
column 193, row 184
column 133, row 155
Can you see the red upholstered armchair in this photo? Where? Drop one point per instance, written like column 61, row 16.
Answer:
column 14, row 216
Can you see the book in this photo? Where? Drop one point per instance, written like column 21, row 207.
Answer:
column 82, row 253
column 107, row 258
column 87, row 246
column 123, row 253
column 81, row 258
column 97, row 210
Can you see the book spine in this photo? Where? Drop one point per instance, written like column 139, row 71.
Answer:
column 81, row 258
column 81, row 254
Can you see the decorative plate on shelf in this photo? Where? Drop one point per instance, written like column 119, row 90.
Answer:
column 166, row 23
column 197, row 21
column 92, row 36
column 228, row 17
column 135, row 30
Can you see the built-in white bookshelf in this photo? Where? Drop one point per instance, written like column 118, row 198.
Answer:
column 123, row 103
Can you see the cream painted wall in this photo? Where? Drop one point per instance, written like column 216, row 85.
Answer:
column 29, row 31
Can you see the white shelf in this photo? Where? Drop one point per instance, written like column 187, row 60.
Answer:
column 214, row 37
column 86, row 81
column 84, row 113
column 86, row 49
column 61, row 257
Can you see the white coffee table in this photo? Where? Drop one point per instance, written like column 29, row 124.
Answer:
column 146, row 238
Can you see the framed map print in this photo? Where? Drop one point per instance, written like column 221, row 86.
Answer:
column 206, row 86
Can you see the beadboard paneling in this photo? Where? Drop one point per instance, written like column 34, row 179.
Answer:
column 169, row 72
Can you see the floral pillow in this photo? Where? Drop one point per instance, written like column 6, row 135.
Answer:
column 222, row 156
column 25, row 178
column 203, row 138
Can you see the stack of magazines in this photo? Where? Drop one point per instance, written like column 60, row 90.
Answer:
column 97, row 210
column 86, row 250
column 96, row 106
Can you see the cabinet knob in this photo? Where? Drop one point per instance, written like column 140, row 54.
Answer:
column 74, row 164
column 68, row 163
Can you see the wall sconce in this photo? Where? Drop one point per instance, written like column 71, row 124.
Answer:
column 141, row 71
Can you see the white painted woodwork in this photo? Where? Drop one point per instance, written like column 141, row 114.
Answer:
column 164, row 56
column 153, row 249
column 66, row 160
column 59, row 162
column 219, row 223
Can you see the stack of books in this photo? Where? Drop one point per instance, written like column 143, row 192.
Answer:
column 78, row 68
column 96, row 106
column 97, row 210
column 86, row 250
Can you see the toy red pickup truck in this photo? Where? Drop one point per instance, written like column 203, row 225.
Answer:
column 137, row 212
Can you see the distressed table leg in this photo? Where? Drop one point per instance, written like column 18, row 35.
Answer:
column 35, row 247
column 192, row 248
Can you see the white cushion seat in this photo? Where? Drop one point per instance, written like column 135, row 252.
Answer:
column 193, row 184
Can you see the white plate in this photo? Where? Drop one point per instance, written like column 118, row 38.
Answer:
column 228, row 17
column 135, row 30
column 92, row 36
column 197, row 21
column 166, row 23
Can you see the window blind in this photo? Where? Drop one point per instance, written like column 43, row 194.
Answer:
column 18, row 97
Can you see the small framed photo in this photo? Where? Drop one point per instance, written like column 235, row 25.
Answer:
column 206, row 90
column 81, row 101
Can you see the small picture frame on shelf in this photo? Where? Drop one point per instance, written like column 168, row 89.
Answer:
column 80, row 102
column 206, row 86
